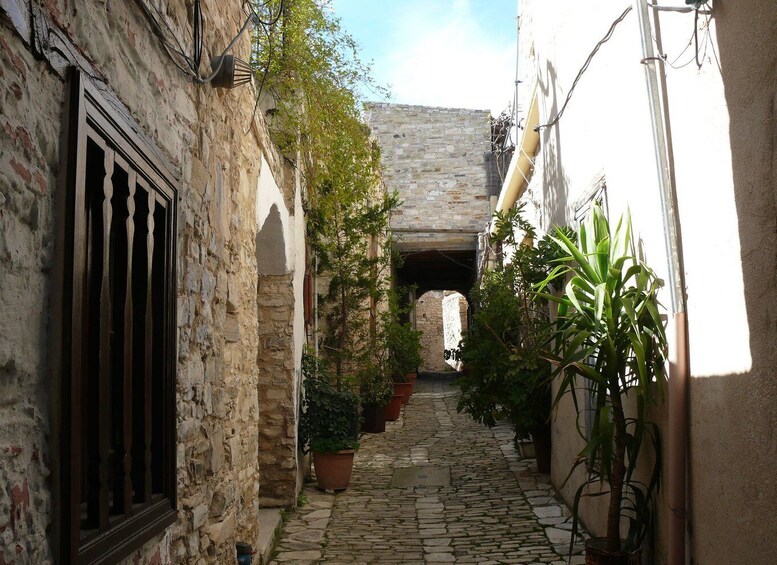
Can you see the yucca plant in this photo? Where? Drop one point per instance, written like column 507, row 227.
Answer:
column 609, row 339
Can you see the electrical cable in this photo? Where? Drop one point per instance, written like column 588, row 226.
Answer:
column 696, row 36
column 268, row 29
column 197, row 33
column 582, row 70
column 193, row 62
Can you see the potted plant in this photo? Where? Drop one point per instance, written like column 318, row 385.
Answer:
column 404, row 355
column 329, row 424
column 505, row 375
column 403, row 344
column 376, row 392
column 610, row 341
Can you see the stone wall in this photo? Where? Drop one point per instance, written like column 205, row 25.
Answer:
column 435, row 158
column 454, row 321
column 440, row 316
column 428, row 320
column 229, row 327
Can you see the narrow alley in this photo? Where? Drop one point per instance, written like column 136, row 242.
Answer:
column 437, row 487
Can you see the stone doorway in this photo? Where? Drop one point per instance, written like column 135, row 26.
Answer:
column 441, row 316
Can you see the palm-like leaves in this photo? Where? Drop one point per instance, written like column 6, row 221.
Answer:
column 609, row 313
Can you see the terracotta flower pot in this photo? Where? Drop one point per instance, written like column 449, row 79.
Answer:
column 405, row 389
column 333, row 470
column 596, row 554
column 374, row 419
column 394, row 408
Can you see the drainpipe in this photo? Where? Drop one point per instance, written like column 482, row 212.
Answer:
column 315, row 304
column 679, row 369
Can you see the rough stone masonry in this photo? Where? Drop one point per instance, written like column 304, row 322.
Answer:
column 215, row 147
column 435, row 158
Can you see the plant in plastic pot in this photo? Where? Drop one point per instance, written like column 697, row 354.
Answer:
column 610, row 344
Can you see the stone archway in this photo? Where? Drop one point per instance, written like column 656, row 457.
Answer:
column 440, row 316
column 277, row 355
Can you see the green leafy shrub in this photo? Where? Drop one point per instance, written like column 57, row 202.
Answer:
column 330, row 416
column 506, row 375
column 375, row 388
column 610, row 344
column 403, row 343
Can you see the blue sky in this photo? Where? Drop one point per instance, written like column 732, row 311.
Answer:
column 455, row 53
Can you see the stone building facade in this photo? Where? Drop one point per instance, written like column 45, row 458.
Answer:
column 435, row 158
column 238, row 328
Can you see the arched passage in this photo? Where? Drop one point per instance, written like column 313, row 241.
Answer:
column 440, row 316
column 438, row 269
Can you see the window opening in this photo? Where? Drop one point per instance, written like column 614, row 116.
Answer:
column 119, row 354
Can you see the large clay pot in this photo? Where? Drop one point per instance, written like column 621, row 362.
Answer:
column 405, row 389
column 394, row 408
column 596, row 554
column 374, row 419
column 333, row 470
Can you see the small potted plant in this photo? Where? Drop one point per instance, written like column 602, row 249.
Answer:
column 329, row 425
column 403, row 344
column 610, row 341
column 376, row 392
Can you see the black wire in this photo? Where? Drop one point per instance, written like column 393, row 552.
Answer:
column 582, row 70
column 696, row 36
column 160, row 33
column 712, row 45
column 156, row 29
column 262, row 82
column 197, row 39
column 268, row 29
column 258, row 18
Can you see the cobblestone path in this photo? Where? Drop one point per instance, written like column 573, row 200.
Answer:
column 494, row 508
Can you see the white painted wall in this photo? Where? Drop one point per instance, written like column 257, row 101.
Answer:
column 722, row 119
column 452, row 326
column 269, row 194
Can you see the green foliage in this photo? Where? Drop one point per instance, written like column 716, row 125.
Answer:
column 610, row 341
column 330, row 416
column 375, row 386
column 506, row 376
column 402, row 341
column 344, row 233
column 312, row 68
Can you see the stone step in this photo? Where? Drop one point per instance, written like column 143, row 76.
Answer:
column 269, row 521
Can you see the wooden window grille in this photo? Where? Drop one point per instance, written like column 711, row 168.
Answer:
column 117, row 483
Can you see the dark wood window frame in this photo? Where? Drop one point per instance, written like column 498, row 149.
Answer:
column 117, row 353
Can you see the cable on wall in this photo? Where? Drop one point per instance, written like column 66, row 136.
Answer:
column 584, row 68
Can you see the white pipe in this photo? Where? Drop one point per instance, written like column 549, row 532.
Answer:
column 315, row 304
column 666, row 190
column 679, row 371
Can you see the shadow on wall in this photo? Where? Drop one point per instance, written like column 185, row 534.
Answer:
column 733, row 437
column 555, row 181
column 271, row 246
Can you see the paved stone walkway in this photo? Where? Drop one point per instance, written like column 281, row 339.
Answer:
column 493, row 507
